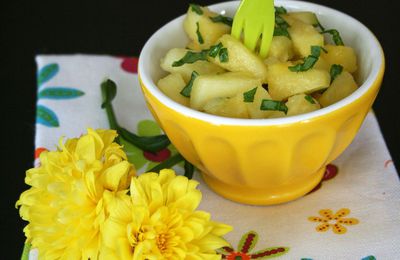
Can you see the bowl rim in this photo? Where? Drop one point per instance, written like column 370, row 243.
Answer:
column 376, row 73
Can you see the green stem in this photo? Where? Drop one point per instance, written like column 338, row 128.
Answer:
column 189, row 169
column 167, row 163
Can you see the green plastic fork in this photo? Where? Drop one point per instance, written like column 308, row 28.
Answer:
column 256, row 18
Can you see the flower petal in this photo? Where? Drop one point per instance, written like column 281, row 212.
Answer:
column 348, row 221
column 339, row 229
column 112, row 177
column 326, row 213
column 248, row 241
column 323, row 227
column 317, row 219
column 341, row 213
column 86, row 149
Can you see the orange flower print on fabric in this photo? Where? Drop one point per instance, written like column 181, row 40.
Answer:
column 335, row 221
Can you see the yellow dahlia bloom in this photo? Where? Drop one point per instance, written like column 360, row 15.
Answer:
column 158, row 220
column 67, row 203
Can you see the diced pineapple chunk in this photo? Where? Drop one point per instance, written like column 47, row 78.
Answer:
column 322, row 64
column 202, row 28
column 228, row 107
column 343, row 55
column 195, row 46
column 306, row 17
column 171, row 86
column 271, row 60
column 253, row 108
column 283, row 83
column 240, row 59
column 201, row 67
column 208, row 87
column 341, row 87
column 281, row 48
column 303, row 37
column 300, row 104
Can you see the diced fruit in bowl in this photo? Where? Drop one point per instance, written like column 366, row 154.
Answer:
column 216, row 70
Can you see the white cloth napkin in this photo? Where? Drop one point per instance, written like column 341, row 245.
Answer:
column 366, row 186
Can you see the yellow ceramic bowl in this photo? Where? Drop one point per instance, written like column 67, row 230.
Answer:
column 264, row 161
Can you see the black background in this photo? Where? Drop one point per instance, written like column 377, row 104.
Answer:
column 121, row 28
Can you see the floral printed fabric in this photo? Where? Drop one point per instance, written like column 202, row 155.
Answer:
column 365, row 189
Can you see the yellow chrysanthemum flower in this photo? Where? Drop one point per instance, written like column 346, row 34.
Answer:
column 67, row 203
column 158, row 220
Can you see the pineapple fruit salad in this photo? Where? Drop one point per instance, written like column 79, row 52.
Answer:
column 308, row 67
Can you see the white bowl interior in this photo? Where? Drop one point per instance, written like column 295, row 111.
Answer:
column 368, row 50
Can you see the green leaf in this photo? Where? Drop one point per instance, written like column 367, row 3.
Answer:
column 223, row 55
column 109, row 91
column 270, row 252
column 196, row 8
column 169, row 163
column 148, row 128
column 316, row 51
column 267, row 104
column 146, row 143
column 335, row 71
column 335, row 36
column 370, row 257
column 248, row 241
column 280, row 10
column 319, row 25
column 134, row 154
column 279, row 31
column 310, row 61
column 222, row 19
column 189, row 169
column 281, row 27
column 191, row 57
column 60, row 93
column 188, row 88
column 199, row 36
column 281, row 22
column 46, row 117
column 46, row 73
column 214, row 50
column 309, row 99
column 249, row 95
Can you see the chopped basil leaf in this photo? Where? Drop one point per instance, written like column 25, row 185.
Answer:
column 222, row 19
column 310, row 61
column 188, row 88
column 335, row 71
column 281, row 26
column 191, row 57
column 318, row 24
column 214, row 50
column 335, row 36
column 249, row 95
column 196, row 8
column 316, row 51
column 281, row 32
column 309, row 99
column 199, row 37
column 280, row 10
column 267, row 104
column 281, row 22
column 223, row 55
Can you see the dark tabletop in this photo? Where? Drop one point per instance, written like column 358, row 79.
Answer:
column 121, row 28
